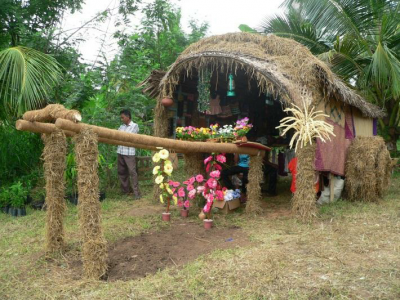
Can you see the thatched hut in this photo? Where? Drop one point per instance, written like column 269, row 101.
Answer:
column 269, row 73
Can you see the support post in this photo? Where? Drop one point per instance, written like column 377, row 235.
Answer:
column 254, row 194
column 94, row 252
column 54, row 154
column 331, row 187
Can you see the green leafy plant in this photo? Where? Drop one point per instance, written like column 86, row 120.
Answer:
column 17, row 194
column 71, row 172
column 4, row 197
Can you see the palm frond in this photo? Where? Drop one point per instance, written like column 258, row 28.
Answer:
column 26, row 78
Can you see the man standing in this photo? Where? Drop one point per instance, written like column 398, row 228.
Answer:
column 127, row 159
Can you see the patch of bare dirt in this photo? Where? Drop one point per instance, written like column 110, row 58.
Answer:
column 139, row 256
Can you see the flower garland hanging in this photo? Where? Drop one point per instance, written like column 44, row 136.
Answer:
column 203, row 88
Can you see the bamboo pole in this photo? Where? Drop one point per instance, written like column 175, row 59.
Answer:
column 38, row 127
column 51, row 113
column 150, row 141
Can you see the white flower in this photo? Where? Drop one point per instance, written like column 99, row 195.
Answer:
column 159, row 179
column 164, row 154
column 156, row 158
column 156, row 169
column 167, row 162
column 168, row 169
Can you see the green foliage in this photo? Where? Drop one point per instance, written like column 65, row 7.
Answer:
column 5, row 197
column 246, row 28
column 361, row 41
column 19, row 154
column 17, row 195
column 26, row 77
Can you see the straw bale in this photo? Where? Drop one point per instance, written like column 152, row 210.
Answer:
column 253, row 205
column 160, row 121
column 51, row 113
column 94, row 252
column 54, row 155
column 279, row 65
column 304, row 199
column 368, row 169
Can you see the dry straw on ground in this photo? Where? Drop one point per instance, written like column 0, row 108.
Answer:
column 368, row 169
column 253, row 204
column 94, row 252
column 303, row 201
column 54, row 155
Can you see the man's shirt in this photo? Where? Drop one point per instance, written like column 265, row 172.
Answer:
column 131, row 128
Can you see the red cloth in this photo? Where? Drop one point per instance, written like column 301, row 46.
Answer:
column 293, row 169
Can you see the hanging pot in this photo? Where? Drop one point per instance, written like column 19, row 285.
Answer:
column 167, row 102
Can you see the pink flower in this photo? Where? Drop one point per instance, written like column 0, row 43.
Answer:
column 217, row 167
column 186, row 204
column 181, row 192
column 210, row 198
column 176, row 184
column 221, row 158
column 220, row 195
column 199, row 178
column 192, row 194
column 171, row 183
column 180, row 203
column 208, row 159
column 212, row 183
column 200, row 189
column 215, row 174
column 186, row 182
column 190, row 187
column 192, row 180
column 207, row 207
column 208, row 167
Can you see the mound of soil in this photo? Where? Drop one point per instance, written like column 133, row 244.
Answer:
column 139, row 256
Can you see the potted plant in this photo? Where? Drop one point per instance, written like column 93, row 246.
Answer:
column 212, row 189
column 18, row 199
column 162, row 171
column 5, row 200
column 38, row 195
column 241, row 129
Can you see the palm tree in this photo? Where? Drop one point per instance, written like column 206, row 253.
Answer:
column 26, row 78
column 361, row 41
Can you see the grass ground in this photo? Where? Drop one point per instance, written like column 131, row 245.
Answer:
column 352, row 250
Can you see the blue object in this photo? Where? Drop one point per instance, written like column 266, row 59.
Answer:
column 229, row 240
column 244, row 160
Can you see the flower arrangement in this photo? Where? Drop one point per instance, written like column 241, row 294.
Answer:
column 226, row 133
column 231, row 194
column 212, row 189
column 192, row 133
column 242, row 127
column 162, row 171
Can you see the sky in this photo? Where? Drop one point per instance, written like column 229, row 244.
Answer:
column 222, row 15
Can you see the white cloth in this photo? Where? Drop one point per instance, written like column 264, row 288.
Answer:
column 337, row 192
column 131, row 128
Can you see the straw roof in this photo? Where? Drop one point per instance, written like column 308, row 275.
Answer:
column 279, row 65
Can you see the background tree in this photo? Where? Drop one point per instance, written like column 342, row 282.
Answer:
column 361, row 41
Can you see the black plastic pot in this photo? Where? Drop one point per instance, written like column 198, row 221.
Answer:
column 29, row 199
column 21, row 212
column 5, row 209
column 102, row 196
column 37, row 205
column 13, row 212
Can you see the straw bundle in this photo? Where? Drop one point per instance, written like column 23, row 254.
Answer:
column 94, row 254
column 51, row 113
column 253, row 205
column 304, row 199
column 160, row 121
column 368, row 169
column 194, row 164
column 54, row 153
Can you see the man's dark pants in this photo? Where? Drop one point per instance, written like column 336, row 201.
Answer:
column 126, row 171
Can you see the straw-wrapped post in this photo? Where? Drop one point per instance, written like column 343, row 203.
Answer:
column 94, row 252
column 304, row 199
column 253, row 205
column 194, row 164
column 54, row 155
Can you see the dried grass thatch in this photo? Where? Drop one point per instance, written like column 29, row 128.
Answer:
column 54, row 155
column 51, row 113
column 94, row 252
column 304, row 199
column 253, row 205
column 279, row 65
column 194, row 164
column 368, row 169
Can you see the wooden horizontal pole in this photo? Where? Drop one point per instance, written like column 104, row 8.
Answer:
column 150, row 141
column 38, row 127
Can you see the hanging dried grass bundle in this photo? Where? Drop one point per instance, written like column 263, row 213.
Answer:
column 94, row 252
column 307, row 123
column 303, row 201
column 368, row 169
column 253, row 205
column 54, row 155
column 194, row 164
